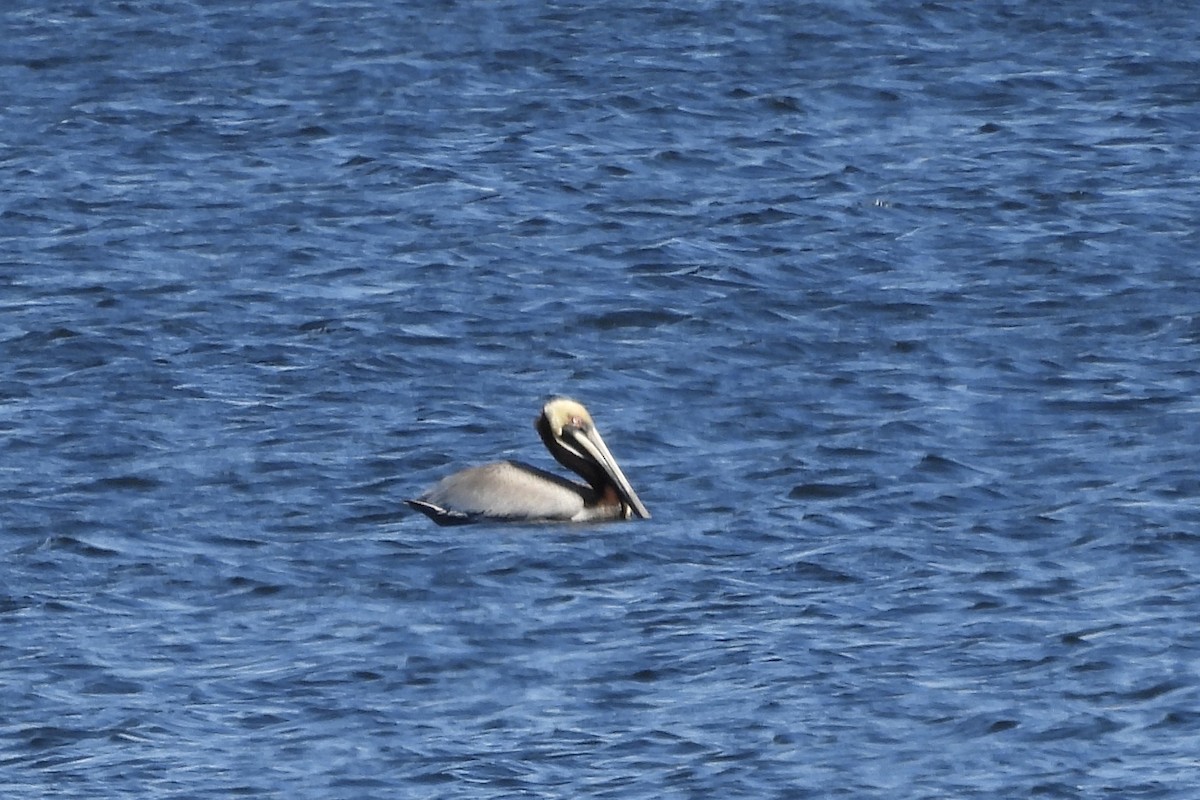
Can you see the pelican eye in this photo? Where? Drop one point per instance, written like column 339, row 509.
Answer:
column 575, row 424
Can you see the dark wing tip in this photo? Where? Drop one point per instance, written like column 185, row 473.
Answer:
column 442, row 516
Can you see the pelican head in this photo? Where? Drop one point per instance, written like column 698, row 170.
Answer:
column 569, row 434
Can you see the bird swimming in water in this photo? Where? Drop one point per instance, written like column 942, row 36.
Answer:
column 515, row 492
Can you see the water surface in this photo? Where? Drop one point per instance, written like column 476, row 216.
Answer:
column 888, row 312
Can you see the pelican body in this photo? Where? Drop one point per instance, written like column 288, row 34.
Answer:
column 516, row 492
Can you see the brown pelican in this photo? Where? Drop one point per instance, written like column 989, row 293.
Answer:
column 512, row 491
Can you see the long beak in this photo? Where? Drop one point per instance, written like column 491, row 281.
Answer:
column 595, row 447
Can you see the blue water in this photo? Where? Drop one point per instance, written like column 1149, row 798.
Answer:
column 890, row 312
